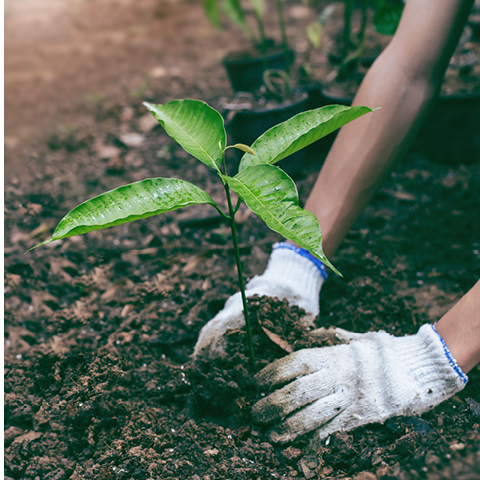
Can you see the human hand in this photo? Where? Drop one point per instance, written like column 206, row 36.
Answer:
column 289, row 275
column 374, row 377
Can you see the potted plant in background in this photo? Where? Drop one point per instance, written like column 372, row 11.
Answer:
column 245, row 68
column 357, row 46
column 313, row 35
column 353, row 50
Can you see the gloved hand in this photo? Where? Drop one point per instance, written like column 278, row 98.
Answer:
column 374, row 377
column 292, row 274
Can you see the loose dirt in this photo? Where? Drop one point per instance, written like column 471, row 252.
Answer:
column 99, row 329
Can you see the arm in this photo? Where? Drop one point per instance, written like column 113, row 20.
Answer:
column 403, row 81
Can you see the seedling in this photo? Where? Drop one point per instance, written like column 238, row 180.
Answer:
column 386, row 18
column 235, row 12
column 266, row 189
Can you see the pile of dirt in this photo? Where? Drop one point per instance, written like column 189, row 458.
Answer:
column 99, row 329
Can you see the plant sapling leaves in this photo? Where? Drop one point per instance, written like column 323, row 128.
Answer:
column 212, row 12
column 298, row 132
column 243, row 148
column 196, row 126
column 234, row 11
column 272, row 195
column 128, row 203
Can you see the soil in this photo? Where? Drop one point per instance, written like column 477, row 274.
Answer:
column 99, row 329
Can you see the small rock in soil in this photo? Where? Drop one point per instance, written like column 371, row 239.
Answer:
column 147, row 123
column 474, row 406
column 104, row 152
column 365, row 476
column 132, row 139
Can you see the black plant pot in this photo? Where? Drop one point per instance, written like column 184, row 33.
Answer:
column 314, row 91
column 474, row 22
column 247, row 125
column 245, row 71
column 330, row 98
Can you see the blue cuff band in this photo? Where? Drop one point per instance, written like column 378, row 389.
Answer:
column 450, row 358
column 306, row 254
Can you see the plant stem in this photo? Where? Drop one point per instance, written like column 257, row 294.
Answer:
column 261, row 31
column 226, row 217
column 237, row 206
column 240, row 279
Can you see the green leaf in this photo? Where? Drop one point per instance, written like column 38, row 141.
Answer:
column 234, row 11
column 128, row 203
column 243, row 148
column 298, row 132
column 258, row 7
column 196, row 126
column 271, row 194
column 212, row 12
column 314, row 33
column 387, row 18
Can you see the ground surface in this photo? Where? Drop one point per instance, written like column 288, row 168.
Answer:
column 99, row 329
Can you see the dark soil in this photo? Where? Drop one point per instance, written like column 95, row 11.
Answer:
column 99, row 329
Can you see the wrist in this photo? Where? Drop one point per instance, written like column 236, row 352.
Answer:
column 290, row 275
column 451, row 359
column 437, row 353
column 303, row 253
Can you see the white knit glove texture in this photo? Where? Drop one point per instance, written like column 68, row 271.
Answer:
column 374, row 377
column 289, row 276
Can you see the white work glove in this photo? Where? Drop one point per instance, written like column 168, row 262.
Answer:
column 292, row 274
column 374, row 377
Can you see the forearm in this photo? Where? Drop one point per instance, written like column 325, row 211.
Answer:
column 460, row 328
column 403, row 82
column 365, row 151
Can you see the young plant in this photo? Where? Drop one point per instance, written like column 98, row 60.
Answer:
column 236, row 14
column 266, row 190
column 385, row 21
column 313, row 33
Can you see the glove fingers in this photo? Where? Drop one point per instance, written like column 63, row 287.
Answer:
column 211, row 341
column 340, row 424
column 335, row 333
column 293, row 396
column 295, row 365
column 309, row 418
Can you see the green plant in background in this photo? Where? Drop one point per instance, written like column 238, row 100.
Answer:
column 387, row 15
column 313, row 33
column 386, row 18
column 266, row 189
column 235, row 12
